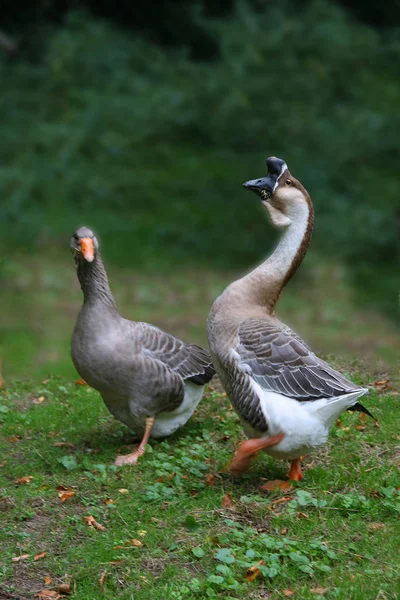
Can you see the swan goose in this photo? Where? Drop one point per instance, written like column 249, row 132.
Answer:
column 286, row 397
column 148, row 379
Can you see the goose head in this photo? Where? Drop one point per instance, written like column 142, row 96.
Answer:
column 84, row 245
column 283, row 196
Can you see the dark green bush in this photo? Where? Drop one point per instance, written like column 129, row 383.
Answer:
column 150, row 148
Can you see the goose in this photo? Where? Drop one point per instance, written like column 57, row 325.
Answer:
column 286, row 397
column 148, row 379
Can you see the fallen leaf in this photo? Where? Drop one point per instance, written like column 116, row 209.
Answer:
column 64, row 445
column 48, row 595
column 129, row 543
column 318, row 590
column 108, row 501
column 39, row 400
column 15, row 438
column 284, row 530
column 382, row 385
column 23, row 480
column 64, row 588
column 280, row 500
column 376, row 526
column 363, row 417
column 360, row 427
column 21, row 557
column 91, row 521
column 80, row 382
column 102, row 579
column 210, row 479
column 123, row 491
column 45, row 381
column 254, row 571
column 227, row 501
column 47, row 580
column 142, row 532
column 288, row 593
column 40, row 555
column 345, row 428
column 63, row 496
column 302, row 515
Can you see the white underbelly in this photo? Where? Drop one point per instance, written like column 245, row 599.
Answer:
column 169, row 422
column 305, row 424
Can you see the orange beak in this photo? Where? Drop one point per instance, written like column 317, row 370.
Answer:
column 87, row 249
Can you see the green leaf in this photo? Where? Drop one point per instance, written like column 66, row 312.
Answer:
column 224, row 569
column 191, row 523
column 69, row 462
column 198, row 552
column 4, row 408
column 225, row 556
column 215, row 579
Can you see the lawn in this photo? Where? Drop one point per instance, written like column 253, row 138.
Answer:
column 176, row 525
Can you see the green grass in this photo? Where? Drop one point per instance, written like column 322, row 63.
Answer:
column 337, row 530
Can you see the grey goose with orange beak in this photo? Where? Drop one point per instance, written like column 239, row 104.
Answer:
column 148, row 379
column 286, row 397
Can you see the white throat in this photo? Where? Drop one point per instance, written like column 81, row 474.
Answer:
column 262, row 286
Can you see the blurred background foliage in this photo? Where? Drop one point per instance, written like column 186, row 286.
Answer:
column 143, row 119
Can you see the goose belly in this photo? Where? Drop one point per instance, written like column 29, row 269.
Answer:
column 303, row 430
column 305, row 424
column 168, row 422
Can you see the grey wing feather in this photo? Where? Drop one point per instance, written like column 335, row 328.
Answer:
column 191, row 362
column 281, row 362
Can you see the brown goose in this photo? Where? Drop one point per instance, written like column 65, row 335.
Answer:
column 287, row 398
column 148, row 379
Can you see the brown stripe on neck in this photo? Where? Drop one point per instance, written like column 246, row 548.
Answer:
column 300, row 254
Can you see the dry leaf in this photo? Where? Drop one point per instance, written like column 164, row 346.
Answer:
column 23, row 480
column 45, row 381
column 227, row 501
column 40, row 555
column 210, row 479
column 129, row 543
column 64, row 588
column 376, row 526
column 102, row 579
column 91, row 521
column 280, row 500
column 21, row 557
column 64, row 445
column 382, row 385
column 80, row 382
column 108, row 501
column 39, row 400
column 47, row 580
column 302, row 515
column 48, row 595
column 15, row 438
column 142, row 532
column 123, row 491
column 318, row 590
column 360, row 427
column 284, row 530
column 63, row 496
column 288, row 593
column 254, row 571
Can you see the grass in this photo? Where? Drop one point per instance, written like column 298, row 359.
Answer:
column 199, row 532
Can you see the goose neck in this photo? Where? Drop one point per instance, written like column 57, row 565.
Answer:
column 94, row 283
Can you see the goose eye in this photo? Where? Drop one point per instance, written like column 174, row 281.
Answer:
column 289, row 182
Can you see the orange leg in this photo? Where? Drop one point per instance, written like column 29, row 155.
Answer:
column 131, row 459
column 248, row 450
column 295, row 474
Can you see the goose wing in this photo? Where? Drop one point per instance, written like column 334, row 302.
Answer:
column 191, row 362
column 279, row 361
